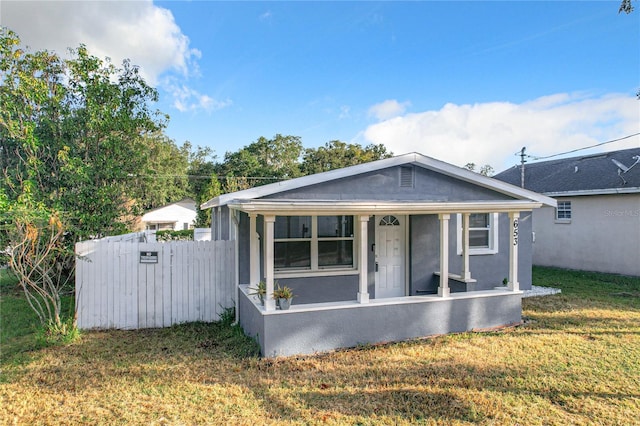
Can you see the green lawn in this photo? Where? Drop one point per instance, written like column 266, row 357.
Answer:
column 576, row 360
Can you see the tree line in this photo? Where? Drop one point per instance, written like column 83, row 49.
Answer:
column 83, row 153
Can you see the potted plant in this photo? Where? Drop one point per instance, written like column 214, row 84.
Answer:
column 283, row 296
column 260, row 291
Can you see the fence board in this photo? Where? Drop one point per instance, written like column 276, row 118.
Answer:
column 131, row 303
column 167, row 280
column 192, row 281
column 112, row 284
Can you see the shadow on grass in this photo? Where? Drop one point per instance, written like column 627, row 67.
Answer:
column 435, row 392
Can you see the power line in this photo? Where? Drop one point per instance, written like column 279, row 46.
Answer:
column 580, row 149
column 204, row 177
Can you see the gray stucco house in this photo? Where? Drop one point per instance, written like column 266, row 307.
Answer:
column 389, row 250
column 596, row 225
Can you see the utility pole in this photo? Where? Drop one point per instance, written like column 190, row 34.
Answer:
column 522, row 161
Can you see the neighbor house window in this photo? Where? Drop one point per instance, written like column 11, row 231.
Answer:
column 483, row 233
column 313, row 242
column 563, row 212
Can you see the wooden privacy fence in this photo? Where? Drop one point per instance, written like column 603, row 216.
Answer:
column 132, row 284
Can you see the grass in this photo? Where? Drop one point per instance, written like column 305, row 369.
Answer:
column 19, row 325
column 576, row 360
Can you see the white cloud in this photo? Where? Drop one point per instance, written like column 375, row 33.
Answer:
column 266, row 16
column 388, row 109
column 187, row 99
column 490, row 133
column 345, row 112
column 138, row 30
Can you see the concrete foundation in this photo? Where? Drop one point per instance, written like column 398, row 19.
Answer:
column 320, row 327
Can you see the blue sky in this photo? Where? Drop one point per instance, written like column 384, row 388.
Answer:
column 459, row 81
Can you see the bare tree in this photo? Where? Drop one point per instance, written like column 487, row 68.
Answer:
column 40, row 260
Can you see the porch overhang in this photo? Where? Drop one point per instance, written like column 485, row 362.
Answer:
column 288, row 207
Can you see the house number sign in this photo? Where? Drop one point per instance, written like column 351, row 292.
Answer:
column 148, row 257
column 515, row 232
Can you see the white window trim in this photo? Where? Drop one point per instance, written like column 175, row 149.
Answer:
column 493, row 237
column 564, row 220
column 315, row 269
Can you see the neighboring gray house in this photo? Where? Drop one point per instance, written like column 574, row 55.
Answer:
column 596, row 225
column 390, row 250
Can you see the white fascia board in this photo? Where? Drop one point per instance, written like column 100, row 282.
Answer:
column 298, row 207
column 214, row 202
column 606, row 191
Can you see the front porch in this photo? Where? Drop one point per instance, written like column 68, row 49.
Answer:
column 365, row 240
column 369, row 313
column 318, row 327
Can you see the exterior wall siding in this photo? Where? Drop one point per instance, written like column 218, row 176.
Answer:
column 488, row 269
column 385, row 185
column 603, row 235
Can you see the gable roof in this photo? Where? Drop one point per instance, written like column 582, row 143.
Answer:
column 412, row 158
column 584, row 175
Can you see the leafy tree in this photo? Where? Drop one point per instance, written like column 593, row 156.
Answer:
column 203, row 181
column 485, row 170
column 212, row 190
column 625, row 6
column 163, row 177
column 72, row 135
column 337, row 154
column 263, row 161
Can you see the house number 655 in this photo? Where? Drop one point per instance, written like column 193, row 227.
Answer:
column 515, row 232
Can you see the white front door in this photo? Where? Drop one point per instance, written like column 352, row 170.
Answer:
column 390, row 256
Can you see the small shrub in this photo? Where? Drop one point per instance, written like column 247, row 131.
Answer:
column 53, row 334
column 184, row 235
column 228, row 316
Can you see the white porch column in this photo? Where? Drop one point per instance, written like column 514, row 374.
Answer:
column 254, row 252
column 513, row 251
column 269, row 303
column 466, row 271
column 363, row 294
column 443, row 290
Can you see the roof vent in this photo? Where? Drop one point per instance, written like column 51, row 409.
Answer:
column 406, row 177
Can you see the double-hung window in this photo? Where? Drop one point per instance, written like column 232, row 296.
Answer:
column 479, row 230
column 563, row 212
column 483, row 233
column 313, row 243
